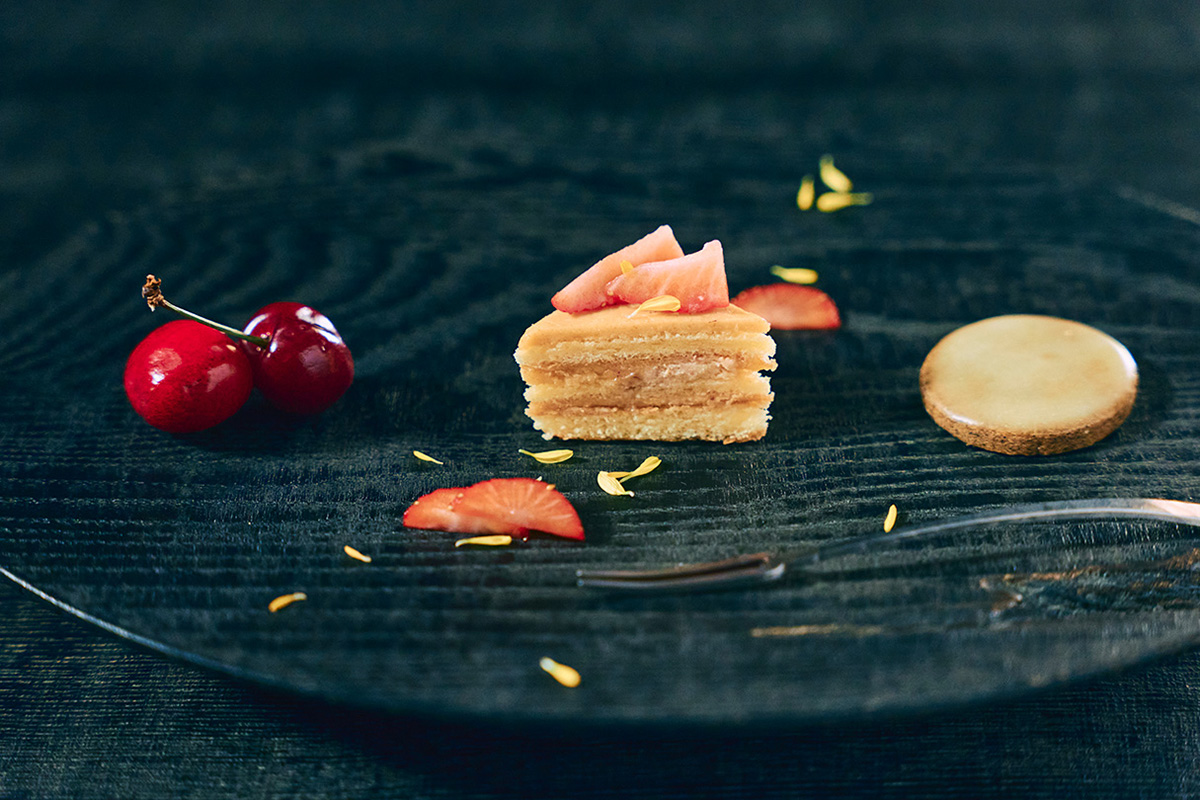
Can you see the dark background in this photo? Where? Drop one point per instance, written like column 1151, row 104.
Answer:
column 106, row 108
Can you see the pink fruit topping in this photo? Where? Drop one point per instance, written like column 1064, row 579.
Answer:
column 697, row 280
column 586, row 293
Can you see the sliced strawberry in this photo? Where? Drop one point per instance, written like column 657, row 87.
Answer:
column 437, row 511
column 697, row 280
column 523, row 504
column 586, row 293
column 790, row 307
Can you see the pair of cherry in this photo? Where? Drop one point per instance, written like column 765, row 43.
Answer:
column 191, row 374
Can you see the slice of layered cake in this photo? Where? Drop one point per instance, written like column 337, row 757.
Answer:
column 608, row 366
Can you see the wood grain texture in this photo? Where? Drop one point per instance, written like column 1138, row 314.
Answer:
column 432, row 265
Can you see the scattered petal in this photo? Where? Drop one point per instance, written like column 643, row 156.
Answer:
column 649, row 465
column 836, row 201
column 425, row 457
column 549, row 456
column 794, row 274
column 285, row 600
column 833, row 177
column 355, row 554
column 567, row 676
column 611, row 485
column 498, row 540
column 611, row 481
column 664, row 302
column 804, row 197
column 889, row 521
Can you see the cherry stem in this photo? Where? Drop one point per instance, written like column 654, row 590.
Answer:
column 152, row 293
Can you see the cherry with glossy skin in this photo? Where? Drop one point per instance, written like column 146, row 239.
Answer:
column 298, row 358
column 186, row 377
column 305, row 366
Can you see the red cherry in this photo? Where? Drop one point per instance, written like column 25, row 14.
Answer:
column 297, row 358
column 305, row 366
column 186, row 377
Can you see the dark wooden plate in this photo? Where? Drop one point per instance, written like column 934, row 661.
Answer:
column 432, row 267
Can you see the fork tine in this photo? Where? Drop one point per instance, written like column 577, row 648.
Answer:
column 736, row 571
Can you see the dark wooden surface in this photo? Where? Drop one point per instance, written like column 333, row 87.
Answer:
column 119, row 122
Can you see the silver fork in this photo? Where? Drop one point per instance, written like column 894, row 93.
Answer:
column 757, row 569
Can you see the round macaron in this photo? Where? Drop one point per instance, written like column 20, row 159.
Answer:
column 1029, row 385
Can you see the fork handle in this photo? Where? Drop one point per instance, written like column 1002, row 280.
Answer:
column 1178, row 511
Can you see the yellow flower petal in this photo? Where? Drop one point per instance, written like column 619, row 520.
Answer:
column 804, row 197
column 626, row 266
column 498, row 540
column 649, row 465
column 836, row 201
column 549, row 456
column 285, row 600
column 350, row 551
column 664, row 302
column 567, row 676
column 611, row 485
column 889, row 521
column 833, row 177
column 428, row 458
column 794, row 274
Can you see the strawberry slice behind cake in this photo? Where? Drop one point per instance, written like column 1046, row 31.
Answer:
column 789, row 307
column 623, row 372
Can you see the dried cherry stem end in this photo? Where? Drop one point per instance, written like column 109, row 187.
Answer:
column 152, row 294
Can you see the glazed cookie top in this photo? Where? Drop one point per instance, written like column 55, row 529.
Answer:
column 1029, row 384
